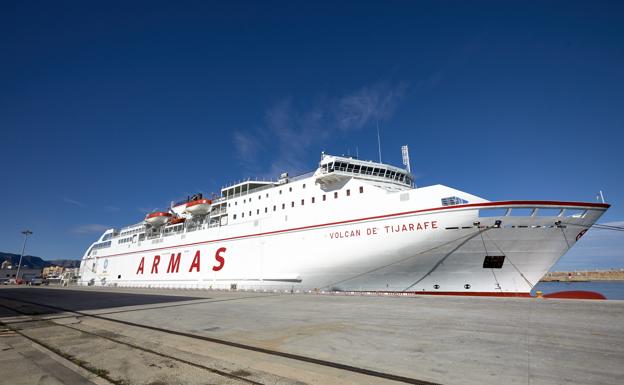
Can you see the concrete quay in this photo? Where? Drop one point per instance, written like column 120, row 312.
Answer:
column 156, row 336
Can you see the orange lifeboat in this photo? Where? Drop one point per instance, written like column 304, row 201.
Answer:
column 176, row 220
column 158, row 218
column 199, row 206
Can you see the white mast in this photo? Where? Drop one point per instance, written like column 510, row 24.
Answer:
column 378, row 141
column 406, row 159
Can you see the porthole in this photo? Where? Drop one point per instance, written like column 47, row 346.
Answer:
column 436, row 286
column 467, row 286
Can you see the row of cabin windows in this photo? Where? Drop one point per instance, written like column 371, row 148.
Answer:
column 101, row 245
column 125, row 240
column 173, row 229
column 133, row 231
column 292, row 204
column 260, row 196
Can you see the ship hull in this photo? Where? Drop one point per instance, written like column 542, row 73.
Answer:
column 439, row 250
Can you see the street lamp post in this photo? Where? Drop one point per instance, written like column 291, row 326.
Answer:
column 19, row 265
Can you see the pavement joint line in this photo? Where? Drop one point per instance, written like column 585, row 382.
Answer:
column 191, row 363
column 186, row 303
column 58, row 355
column 297, row 357
column 71, row 365
column 45, row 346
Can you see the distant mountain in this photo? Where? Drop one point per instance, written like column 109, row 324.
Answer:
column 37, row 262
column 69, row 263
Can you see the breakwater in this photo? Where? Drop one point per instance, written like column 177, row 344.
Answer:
column 585, row 275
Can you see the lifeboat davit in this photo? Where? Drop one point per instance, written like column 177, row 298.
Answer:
column 198, row 207
column 158, row 218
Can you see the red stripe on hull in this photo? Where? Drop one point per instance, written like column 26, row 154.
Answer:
column 447, row 293
column 475, row 293
column 321, row 225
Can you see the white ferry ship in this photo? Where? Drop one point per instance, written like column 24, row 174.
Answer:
column 351, row 225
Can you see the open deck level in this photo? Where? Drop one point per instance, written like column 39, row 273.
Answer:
column 143, row 336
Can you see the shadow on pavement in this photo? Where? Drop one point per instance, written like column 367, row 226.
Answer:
column 78, row 300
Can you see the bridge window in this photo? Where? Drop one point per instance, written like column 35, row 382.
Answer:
column 453, row 201
column 361, row 189
column 324, row 197
column 335, row 194
column 348, row 193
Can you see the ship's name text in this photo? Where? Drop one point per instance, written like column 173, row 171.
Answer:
column 174, row 263
column 389, row 229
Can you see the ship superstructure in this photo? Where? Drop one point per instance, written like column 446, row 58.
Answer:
column 351, row 225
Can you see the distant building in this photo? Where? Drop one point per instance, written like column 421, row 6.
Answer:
column 71, row 272
column 52, row 271
column 24, row 273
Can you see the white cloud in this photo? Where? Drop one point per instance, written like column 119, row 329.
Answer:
column 290, row 131
column 245, row 146
column 92, row 228
column 74, row 202
column 368, row 105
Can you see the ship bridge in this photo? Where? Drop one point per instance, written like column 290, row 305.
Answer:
column 335, row 168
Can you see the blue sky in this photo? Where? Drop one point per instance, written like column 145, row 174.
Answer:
column 111, row 109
